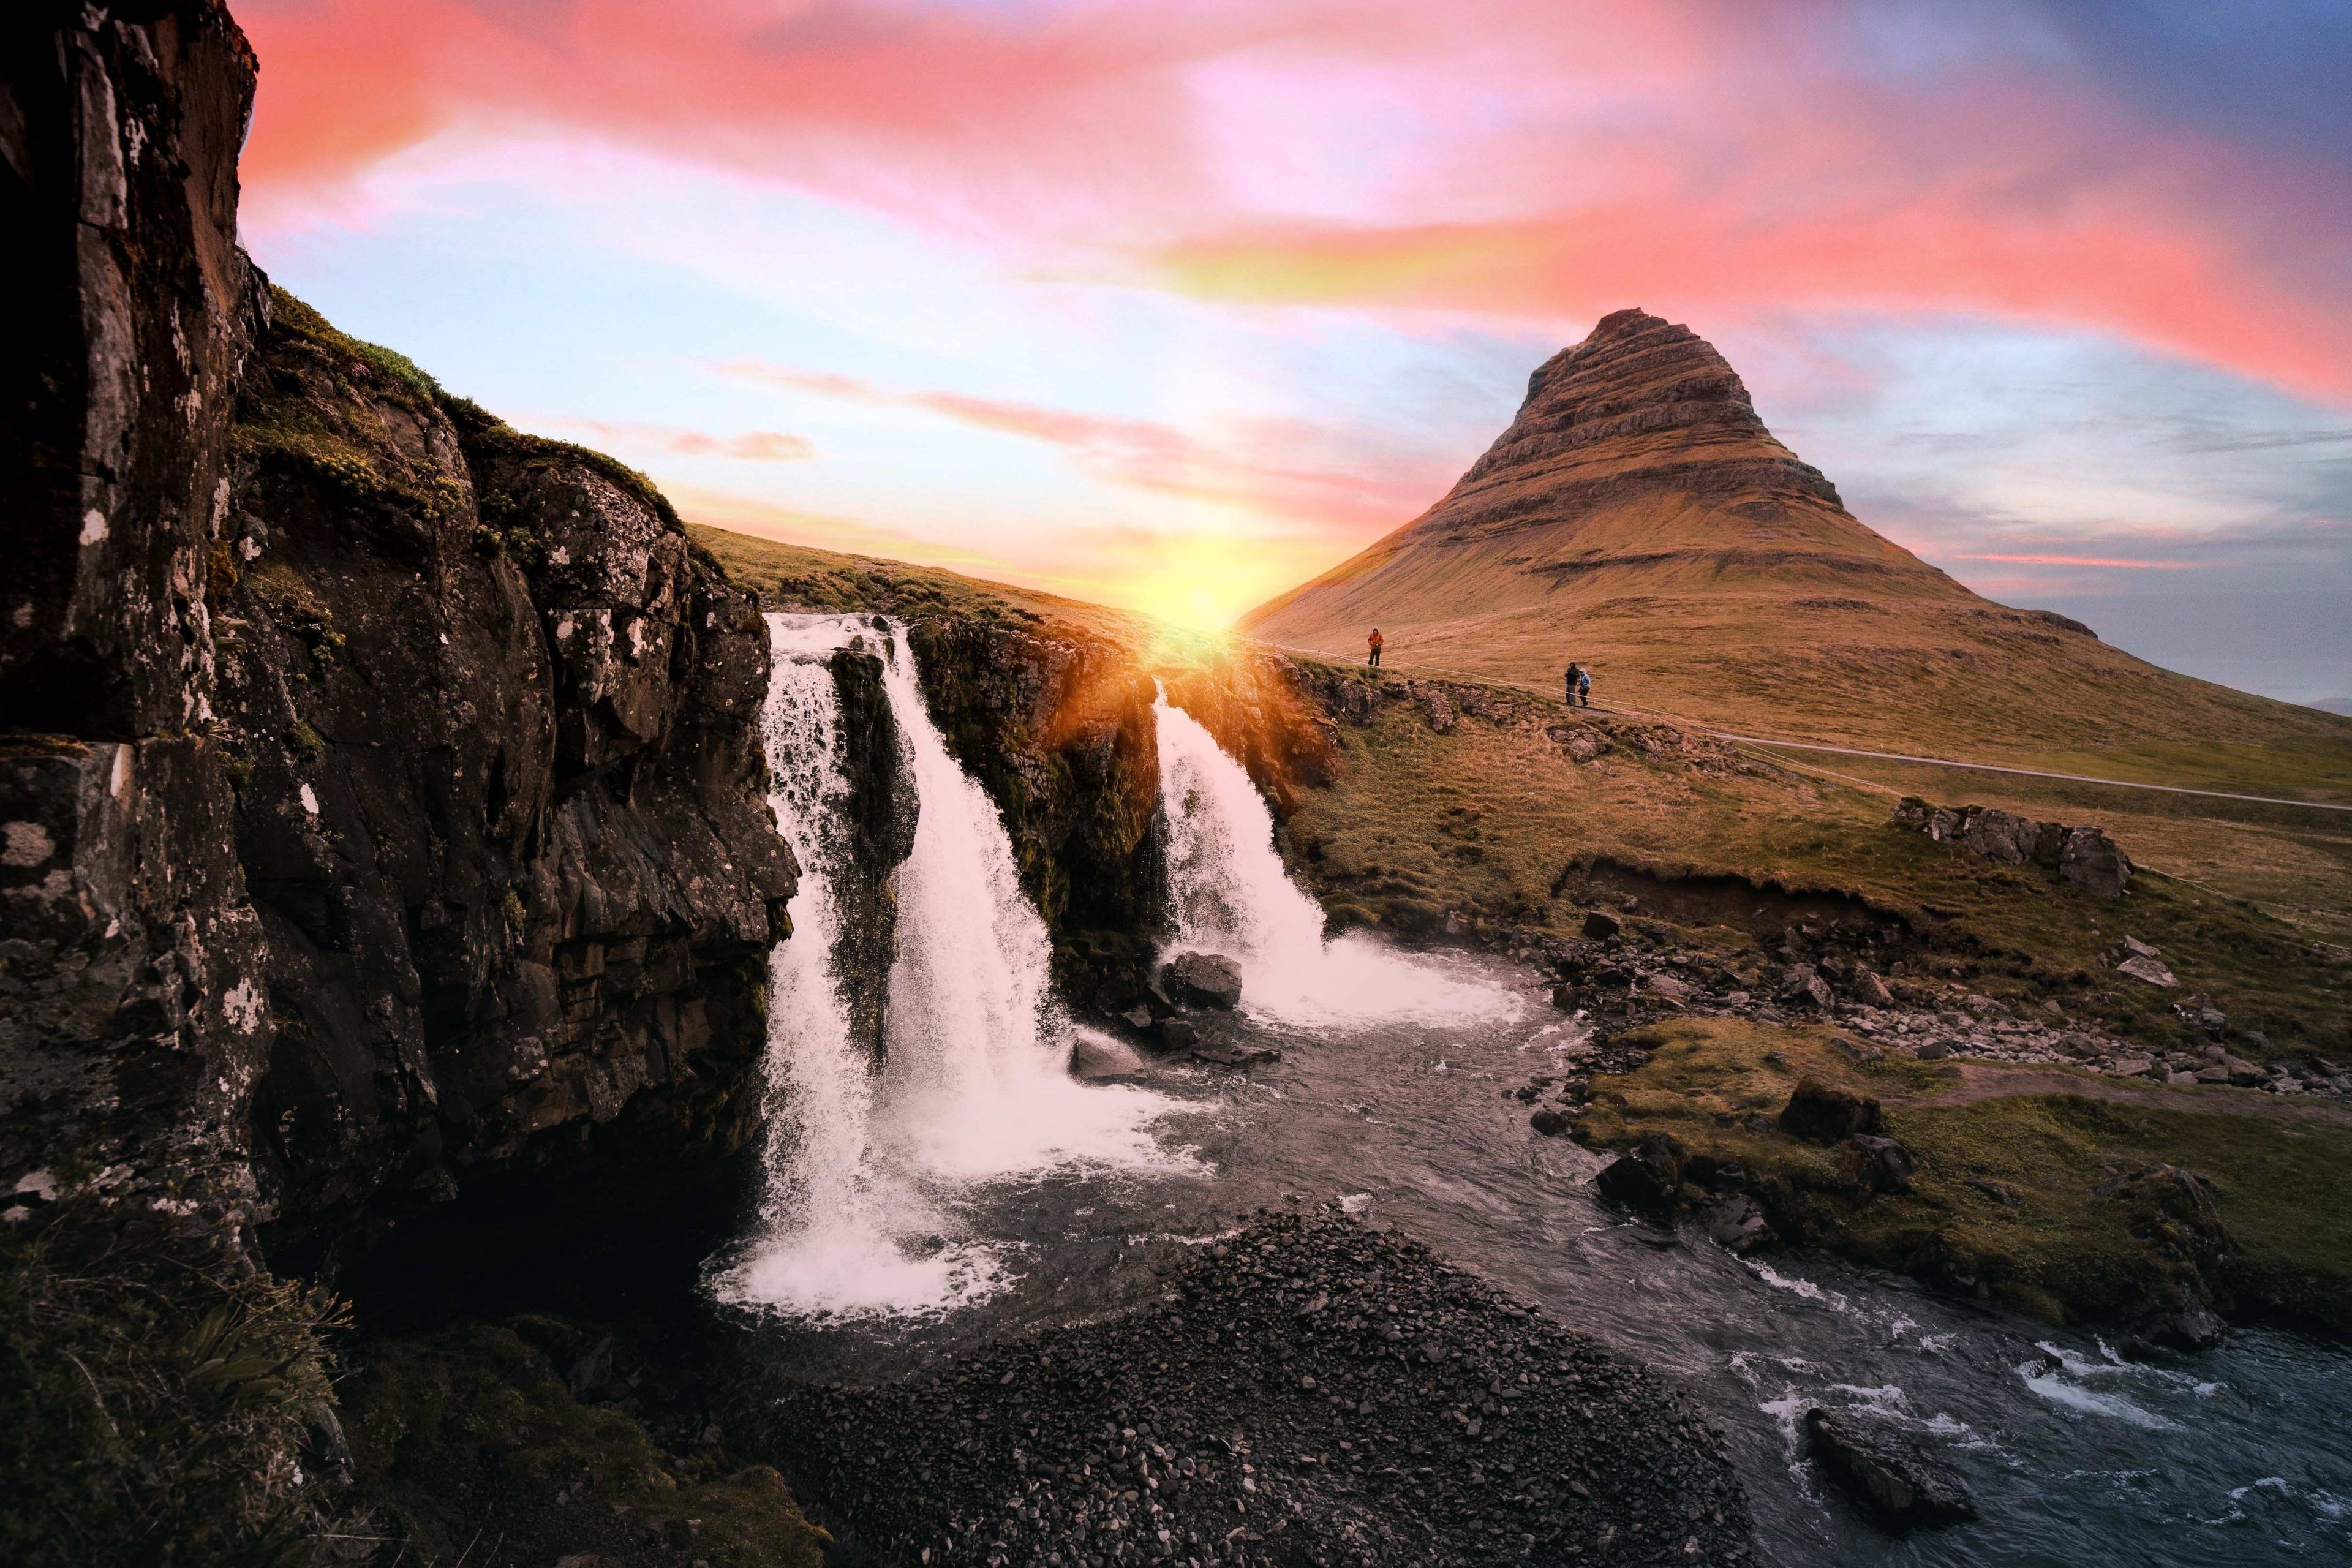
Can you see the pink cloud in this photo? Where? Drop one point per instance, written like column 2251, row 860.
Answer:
column 749, row 446
column 1536, row 158
column 1259, row 468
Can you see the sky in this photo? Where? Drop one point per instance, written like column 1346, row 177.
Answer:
column 1173, row 305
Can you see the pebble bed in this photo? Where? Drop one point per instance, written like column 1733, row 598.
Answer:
column 1308, row 1391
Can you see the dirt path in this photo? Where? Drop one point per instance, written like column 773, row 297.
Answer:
column 1985, row 1081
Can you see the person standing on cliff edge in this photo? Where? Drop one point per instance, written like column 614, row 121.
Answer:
column 1374, row 643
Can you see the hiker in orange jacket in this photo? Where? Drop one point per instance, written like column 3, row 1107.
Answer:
column 1375, row 642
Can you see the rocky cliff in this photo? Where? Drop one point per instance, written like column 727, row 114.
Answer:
column 385, row 811
column 1058, row 728
column 493, row 723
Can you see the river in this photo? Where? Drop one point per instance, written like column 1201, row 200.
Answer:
column 976, row 1202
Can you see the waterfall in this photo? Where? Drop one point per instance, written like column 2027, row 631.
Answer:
column 1232, row 896
column 870, row 1170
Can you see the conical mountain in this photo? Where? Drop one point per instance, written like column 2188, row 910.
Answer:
column 1638, row 517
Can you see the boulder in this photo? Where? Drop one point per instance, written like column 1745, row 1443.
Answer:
column 1179, row 1034
column 1821, row 1114
column 1676, row 990
column 1887, row 1165
column 1649, row 1178
column 2147, row 970
column 1601, row 925
column 1806, row 988
column 2092, row 861
column 2135, row 948
column 1138, row 1017
column 2001, row 837
column 1550, row 1124
column 2085, row 857
column 1870, row 990
column 1897, row 1484
column 1203, row 980
column 1736, row 1223
column 1099, row 1058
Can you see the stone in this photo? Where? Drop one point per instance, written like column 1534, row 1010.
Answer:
column 2189, row 1326
column 1870, row 989
column 1226, row 1054
column 1932, row 1051
column 1806, row 988
column 1138, row 1019
column 1179, row 1034
column 1887, row 1165
column 2147, row 971
column 1649, row 1178
column 1897, row 1484
column 1203, row 980
column 1099, row 1058
column 2092, row 861
column 1736, row 1223
column 1821, row 1114
column 2135, row 947
column 1666, row 986
column 1601, row 925
column 1550, row 1124
column 2181, row 1079
column 2133, row 1066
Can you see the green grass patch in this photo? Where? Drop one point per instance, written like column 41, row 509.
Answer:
column 2029, row 1193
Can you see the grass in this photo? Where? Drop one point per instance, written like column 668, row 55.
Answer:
column 154, row 1406
column 1497, row 822
column 2063, row 1246
column 478, row 1421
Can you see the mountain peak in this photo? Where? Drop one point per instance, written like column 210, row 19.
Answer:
column 1640, row 401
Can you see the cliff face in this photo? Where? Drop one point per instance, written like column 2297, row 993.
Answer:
column 132, row 1017
column 494, row 724
column 1058, row 729
column 385, row 813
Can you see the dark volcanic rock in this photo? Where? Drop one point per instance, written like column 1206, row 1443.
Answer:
column 881, row 815
column 1308, row 1391
column 1058, row 729
column 1098, row 1058
column 1203, row 980
column 1648, row 1179
column 1821, row 1114
column 2085, row 857
column 137, row 1013
column 1896, row 1485
column 1601, row 925
column 501, row 800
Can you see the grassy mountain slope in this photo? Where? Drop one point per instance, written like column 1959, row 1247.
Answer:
column 1637, row 516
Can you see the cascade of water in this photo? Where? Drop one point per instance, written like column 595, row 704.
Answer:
column 865, row 1167
column 1233, row 896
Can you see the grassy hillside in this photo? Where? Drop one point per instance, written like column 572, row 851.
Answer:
column 1637, row 517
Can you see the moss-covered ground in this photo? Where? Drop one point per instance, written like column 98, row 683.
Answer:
column 1496, row 821
column 2027, row 1191
column 522, row 1430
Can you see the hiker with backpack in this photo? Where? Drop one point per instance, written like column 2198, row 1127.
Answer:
column 1374, row 644
column 1579, row 685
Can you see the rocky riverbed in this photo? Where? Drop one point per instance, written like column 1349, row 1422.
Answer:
column 1307, row 1390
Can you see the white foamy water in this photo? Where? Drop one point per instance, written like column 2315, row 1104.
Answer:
column 866, row 1166
column 1232, row 896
